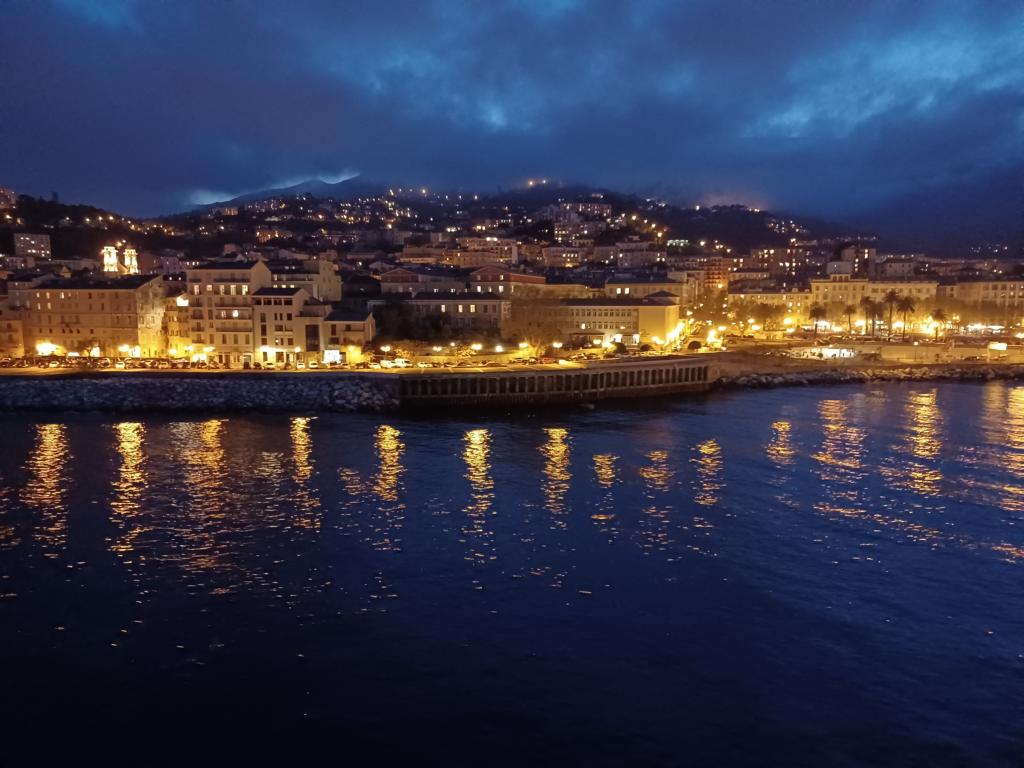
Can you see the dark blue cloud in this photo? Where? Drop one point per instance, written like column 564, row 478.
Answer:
column 833, row 108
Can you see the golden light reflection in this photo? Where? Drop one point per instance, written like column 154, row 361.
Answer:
column 128, row 485
column 604, row 468
column 843, row 475
column 1012, row 455
column 387, row 487
column 46, row 490
column 923, row 443
column 556, row 471
column 655, row 517
column 780, row 448
column 658, row 474
column 840, row 459
column 709, row 473
column 204, row 475
column 307, row 503
column 389, row 454
column 476, row 455
column 8, row 534
column 607, row 477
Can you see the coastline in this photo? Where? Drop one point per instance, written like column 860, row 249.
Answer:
column 138, row 392
column 864, row 375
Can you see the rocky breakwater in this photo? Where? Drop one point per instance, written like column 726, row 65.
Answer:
column 945, row 372
column 183, row 392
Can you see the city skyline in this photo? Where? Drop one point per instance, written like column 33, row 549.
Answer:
column 903, row 119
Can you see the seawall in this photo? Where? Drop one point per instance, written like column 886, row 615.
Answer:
column 376, row 392
column 153, row 391
column 943, row 372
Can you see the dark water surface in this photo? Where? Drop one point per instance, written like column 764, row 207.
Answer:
column 802, row 577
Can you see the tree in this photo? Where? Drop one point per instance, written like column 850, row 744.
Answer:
column 939, row 316
column 533, row 319
column 871, row 309
column 905, row 306
column 817, row 313
column 766, row 314
column 889, row 300
column 849, row 310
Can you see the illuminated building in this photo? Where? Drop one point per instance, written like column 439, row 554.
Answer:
column 840, row 289
column 8, row 198
column 176, row 325
column 654, row 319
column 419, row 279
column 345, row 333
column 288, row 325
column 32, row 246
column 465, row 310
column 318, row 277
column 563, row 256
column 1000, row 294
column 109, row 255
column 12, row 341
column 220, row 309
column 477, row 251
column 795, row 303
column 643, row 286
column 498, row 279
column 125, row 263
column 110, row 316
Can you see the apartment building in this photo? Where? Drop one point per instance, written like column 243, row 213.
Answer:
column 114, row 316
column 220, row 309
column 653, row 319
column 842, row 289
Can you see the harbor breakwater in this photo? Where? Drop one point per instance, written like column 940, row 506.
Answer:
column 377, row 392
column 199, row 392
column 805, row 378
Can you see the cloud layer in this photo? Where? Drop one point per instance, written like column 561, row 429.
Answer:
column 831, row 108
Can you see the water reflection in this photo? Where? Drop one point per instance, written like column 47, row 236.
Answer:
column 923, row 444
column 476, row 455
column 205, row 519
column 659, row 473
column 604, row 468
column 656, row 514
column 389, row 448
column 780, row 448
column 128, row 486
column 709, row 473
column 307, row 501
column 47, row 488
column 387, row 486
column 840, row 459
column 1012, row 455
column 557, row 476
column 607, row 475
column 373, row 507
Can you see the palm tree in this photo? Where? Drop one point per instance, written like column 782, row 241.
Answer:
column 870, row 307
column 939, row 316
column 849, row 310
column 905, row 306
column 890, row 299
column 817, row 313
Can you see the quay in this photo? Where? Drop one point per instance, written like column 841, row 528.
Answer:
column 345, row 390
column 569, row 383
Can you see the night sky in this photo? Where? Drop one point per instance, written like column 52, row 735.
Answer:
column 893, row 114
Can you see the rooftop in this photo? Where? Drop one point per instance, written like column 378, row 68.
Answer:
column 227, row 265
column 622, row 302
column 276, row 291
column 459, row 296
column 348, row 316
column 119, row 283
